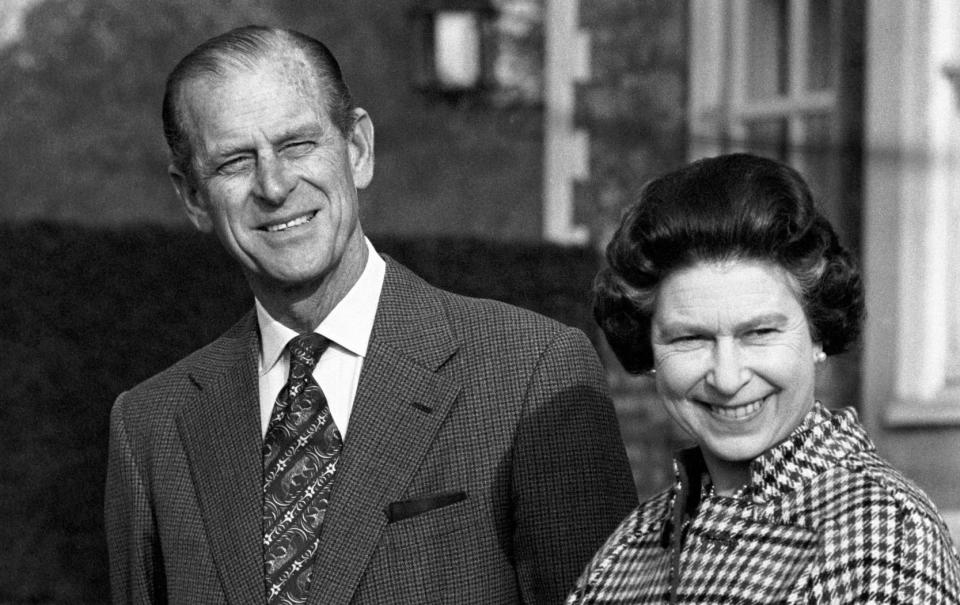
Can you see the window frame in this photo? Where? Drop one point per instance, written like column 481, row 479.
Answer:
column 913, row 197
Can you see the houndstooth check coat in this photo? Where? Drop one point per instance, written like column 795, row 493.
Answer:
column 823, row 520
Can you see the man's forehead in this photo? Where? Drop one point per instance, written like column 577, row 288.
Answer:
column 291, row 71
column 212, row 99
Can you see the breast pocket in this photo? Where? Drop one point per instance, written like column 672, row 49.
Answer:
column 746, row 563
column 413, row 527
column 429, row 557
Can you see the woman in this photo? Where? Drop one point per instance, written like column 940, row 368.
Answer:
column 728, row 286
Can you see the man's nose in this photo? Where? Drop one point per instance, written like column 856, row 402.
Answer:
column 274, row 182
column 729, row 373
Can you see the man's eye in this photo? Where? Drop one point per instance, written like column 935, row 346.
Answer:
column 234, row 165
column 300, row 147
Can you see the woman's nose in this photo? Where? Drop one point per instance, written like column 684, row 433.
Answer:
column 728, row 373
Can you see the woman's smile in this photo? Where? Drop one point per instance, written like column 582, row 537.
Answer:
column 736, row 412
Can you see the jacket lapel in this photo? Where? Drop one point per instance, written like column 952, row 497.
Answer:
column 401, row 402
column 220, row 430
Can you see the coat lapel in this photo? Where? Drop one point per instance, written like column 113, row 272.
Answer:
column 220, row 429
column 401, row 402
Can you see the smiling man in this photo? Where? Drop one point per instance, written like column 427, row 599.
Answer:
column 359, row 436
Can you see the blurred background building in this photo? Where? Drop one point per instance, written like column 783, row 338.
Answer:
column 518, row 124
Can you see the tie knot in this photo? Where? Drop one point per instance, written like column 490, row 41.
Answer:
column 305, row 352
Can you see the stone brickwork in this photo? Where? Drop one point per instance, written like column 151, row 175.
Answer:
column 650, row 436
column 633, row 107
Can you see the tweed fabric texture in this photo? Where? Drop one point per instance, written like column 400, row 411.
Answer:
column 823, row 520
column 460, row 479
column 300, row 452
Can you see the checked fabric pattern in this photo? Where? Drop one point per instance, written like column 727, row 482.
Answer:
column 300, row 453
column 823, row 520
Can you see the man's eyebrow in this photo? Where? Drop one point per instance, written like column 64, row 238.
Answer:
column 223, row 151
column 306, row 130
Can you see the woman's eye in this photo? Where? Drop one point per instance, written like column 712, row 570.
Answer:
column 761, row 332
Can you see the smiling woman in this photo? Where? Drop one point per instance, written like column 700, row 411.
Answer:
column 735, row 358
column 727, row 284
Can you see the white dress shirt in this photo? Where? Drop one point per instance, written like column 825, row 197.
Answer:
column 347, row 327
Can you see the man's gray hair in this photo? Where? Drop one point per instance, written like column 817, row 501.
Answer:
column 244, row 48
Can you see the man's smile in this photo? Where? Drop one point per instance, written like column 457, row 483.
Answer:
column 283, row 226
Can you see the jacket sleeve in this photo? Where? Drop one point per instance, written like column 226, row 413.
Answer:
column 132, row 544
column 571, row 480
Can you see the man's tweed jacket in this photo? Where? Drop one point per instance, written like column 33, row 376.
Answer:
column 823, row 520
column 493, row 421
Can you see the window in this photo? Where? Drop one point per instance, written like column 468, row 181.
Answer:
column 912, row 245
column 782, row 88
column 913, row 210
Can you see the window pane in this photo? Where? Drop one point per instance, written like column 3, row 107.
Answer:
column 820, row 45
column 817, row 160
column 768, row 137
column 767, row 48
column 953, row 353
column 953, row 342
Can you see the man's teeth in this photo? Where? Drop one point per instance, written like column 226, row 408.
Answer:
column 297, row 221
column 735, row 413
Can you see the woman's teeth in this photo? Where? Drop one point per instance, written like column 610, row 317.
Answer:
column 735, row 413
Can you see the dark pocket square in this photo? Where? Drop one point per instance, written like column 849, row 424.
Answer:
column 404, row 509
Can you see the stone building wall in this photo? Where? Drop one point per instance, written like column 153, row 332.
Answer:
column 634, row 109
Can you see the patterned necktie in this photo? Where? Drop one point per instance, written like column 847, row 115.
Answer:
column 300, row 453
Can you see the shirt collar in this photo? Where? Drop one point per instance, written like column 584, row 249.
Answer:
column 348, row 325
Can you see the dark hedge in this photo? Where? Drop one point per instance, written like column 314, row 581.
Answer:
column 85, row 314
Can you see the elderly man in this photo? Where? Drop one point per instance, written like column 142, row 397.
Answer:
column 359, row 436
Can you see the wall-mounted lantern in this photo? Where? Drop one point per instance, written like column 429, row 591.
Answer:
column 452, row 46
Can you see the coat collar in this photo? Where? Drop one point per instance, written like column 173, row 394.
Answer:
column 823, row 440
column 402, row 399
column 411, row 320
column 220, row 430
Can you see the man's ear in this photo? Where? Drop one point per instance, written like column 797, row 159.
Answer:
column 360, row 148
column 193, row 204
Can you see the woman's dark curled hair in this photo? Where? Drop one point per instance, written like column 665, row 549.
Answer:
column 729, row 207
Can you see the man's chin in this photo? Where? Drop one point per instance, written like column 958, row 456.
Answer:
column 285, row 280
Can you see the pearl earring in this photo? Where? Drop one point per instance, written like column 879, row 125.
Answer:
column 819, row 357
